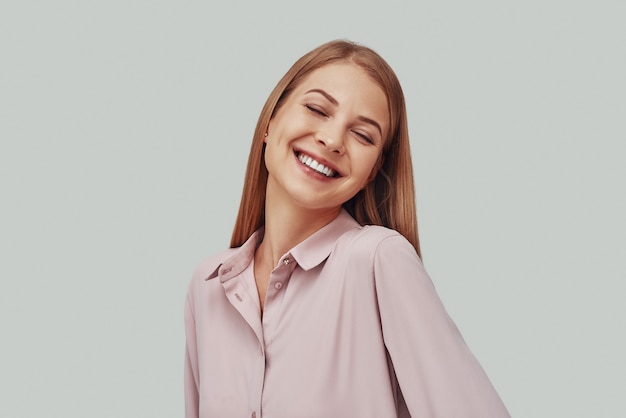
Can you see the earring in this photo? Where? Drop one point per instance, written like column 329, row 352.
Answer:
column 266, row 134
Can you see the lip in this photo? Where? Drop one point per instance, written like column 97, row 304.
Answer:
column 319, row 159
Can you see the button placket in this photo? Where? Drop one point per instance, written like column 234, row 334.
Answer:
column 279, row 279
column 284, row 272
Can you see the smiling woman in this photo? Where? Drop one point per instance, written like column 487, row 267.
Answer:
column 321, row 307
column 329, row 120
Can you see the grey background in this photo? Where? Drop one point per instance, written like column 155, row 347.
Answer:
column 125, row 126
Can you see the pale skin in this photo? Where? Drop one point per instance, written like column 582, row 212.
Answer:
column 338, row 117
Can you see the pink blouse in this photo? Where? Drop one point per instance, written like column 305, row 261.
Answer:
column 352, row 327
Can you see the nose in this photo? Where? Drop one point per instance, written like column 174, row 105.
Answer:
column 333, row 142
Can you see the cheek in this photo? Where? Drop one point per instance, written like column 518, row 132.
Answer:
column 368, row 169
column 374, row 162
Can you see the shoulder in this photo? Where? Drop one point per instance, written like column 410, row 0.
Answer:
column 205, row 270
column 212, row 263
column 207, row 267
column 371, row 244
column 370, row 239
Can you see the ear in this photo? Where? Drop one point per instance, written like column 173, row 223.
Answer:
column 267, row 130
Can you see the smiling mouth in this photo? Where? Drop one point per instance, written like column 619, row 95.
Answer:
column 316, row 166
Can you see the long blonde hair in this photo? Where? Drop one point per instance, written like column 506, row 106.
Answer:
column 389, row 199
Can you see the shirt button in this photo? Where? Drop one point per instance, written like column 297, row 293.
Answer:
column 278, row 285
column 286, row 261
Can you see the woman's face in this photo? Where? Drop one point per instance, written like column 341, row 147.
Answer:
column 325, row 140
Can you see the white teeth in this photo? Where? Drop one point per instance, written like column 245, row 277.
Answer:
column 315, row 165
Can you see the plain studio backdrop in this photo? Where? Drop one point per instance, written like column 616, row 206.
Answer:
column 125, row 128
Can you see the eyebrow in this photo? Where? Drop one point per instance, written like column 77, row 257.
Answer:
column 325, row 94
column 336, row 103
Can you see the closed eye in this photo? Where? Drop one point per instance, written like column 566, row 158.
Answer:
column 316, row 110
column 364, row 137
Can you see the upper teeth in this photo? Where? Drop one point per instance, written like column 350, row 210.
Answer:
column 320, row 168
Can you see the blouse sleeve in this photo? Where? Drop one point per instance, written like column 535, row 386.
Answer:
column 437, row 374
column 191, row 362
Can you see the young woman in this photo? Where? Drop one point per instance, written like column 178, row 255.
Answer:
column 321, row 308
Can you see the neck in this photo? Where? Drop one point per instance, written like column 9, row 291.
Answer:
column 287, row 225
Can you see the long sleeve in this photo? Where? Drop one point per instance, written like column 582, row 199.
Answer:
column 438, row 375
column 191, row 364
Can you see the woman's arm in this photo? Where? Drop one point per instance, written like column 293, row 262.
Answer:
column 436, row 372
column 191, row 362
